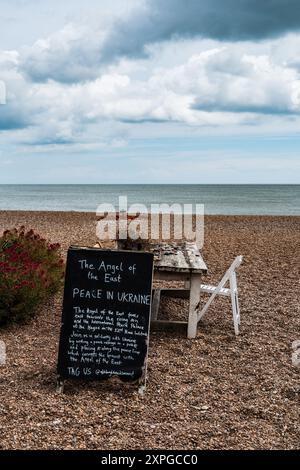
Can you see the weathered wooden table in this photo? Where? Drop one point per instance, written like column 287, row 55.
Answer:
column 178, row 262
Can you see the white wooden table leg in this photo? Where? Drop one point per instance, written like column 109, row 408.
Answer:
column 194, row 300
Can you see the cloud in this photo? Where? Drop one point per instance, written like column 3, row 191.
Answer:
column 229, row 20
column 229, row 80
column 79, row 53
column 66, row 56
column 11, row 119
column 14, row 111
column 2, row 92
column 7, row 64
column 166, row 77
column 219, row 87
column 17, row 112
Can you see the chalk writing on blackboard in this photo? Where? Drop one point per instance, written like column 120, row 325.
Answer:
column 106, row 312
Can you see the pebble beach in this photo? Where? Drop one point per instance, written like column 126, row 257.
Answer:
column 217, row 391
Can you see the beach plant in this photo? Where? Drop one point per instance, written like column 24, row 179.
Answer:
column 31, row 269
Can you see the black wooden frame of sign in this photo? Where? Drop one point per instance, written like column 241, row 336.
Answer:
column 67, row 322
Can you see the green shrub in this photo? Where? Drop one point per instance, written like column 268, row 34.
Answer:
column 31, row 269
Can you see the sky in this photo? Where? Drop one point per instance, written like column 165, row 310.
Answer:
column 149, row 91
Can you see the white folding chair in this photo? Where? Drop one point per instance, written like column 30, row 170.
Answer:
column 232, row 292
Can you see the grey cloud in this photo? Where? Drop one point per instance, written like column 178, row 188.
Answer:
column 245, row 108
column 65, row 68
column 12, row 119
column 51, row 140
column 231, row 20
column 70, row 56
column 142, row 120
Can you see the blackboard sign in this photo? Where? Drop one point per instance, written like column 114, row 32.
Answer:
column 106, row 314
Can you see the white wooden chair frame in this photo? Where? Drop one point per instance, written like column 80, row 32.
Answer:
column 231, row 292
column 196, row 288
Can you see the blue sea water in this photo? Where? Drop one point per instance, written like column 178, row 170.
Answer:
column 217, row 199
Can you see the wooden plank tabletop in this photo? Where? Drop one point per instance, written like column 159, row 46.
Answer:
column 183, row 257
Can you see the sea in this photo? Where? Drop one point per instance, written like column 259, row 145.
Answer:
column 217, row 199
